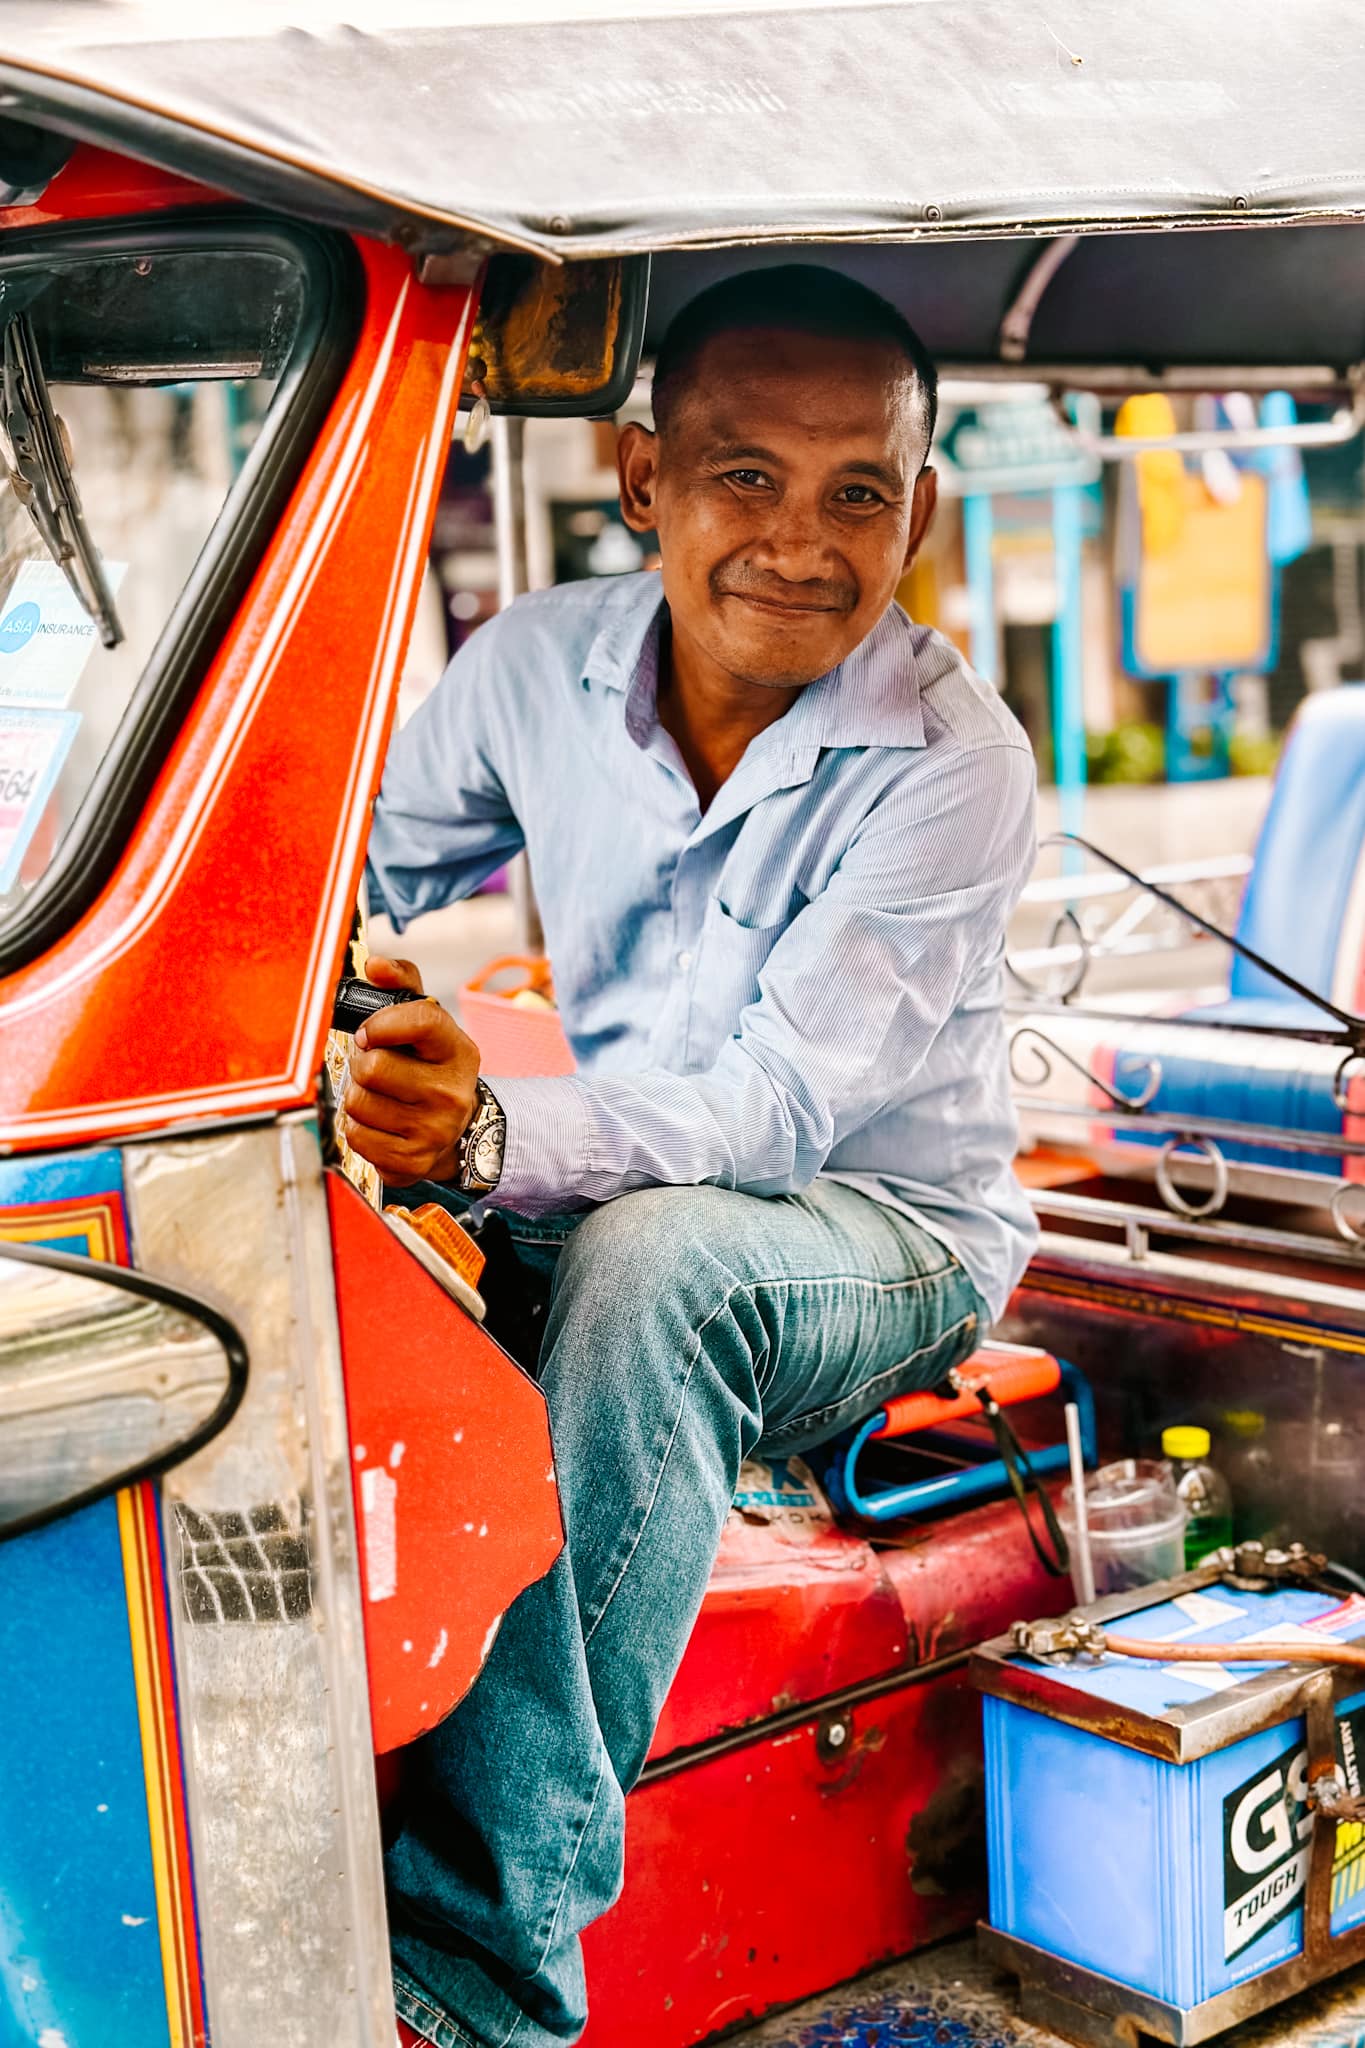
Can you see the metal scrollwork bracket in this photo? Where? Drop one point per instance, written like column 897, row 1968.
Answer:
column 1029, row 1041
column 1180, row 1204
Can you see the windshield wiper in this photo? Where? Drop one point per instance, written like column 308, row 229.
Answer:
column 39, row 455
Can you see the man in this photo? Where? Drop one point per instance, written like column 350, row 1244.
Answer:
column 775, row 832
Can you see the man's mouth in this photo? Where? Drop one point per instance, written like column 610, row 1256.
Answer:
column 779, row 607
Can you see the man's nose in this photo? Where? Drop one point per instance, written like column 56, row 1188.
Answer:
column 795, row 544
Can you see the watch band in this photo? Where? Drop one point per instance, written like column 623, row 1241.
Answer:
column 478, row 1165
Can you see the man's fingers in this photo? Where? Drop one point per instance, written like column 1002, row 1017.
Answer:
column 377, row 1112
column 393, row 1157
column 425, row 1029
column 388, row 973
column 392, row 1074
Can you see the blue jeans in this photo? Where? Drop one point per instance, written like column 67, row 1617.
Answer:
column 687, row 1327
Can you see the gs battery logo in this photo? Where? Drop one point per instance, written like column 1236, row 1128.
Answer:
column 1266, row 1831
column 1267, row 1834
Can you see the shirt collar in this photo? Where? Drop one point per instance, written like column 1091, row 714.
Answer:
column 624, row 655
column 871, row 699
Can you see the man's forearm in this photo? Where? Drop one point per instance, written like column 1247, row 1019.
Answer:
column 572, row 1142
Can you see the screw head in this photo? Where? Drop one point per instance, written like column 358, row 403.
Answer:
column 834, row 1735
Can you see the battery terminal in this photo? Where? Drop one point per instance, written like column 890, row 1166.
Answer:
column 1058, row 1640
column 1251, row 1567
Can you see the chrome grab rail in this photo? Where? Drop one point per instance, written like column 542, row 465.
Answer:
column 1345, row 423
column 1139, row 1224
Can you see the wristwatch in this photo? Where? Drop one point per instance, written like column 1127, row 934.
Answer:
column 478, row 1162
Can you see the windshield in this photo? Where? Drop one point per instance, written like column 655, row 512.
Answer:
column 136, row 382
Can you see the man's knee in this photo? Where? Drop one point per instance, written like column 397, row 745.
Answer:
column 644, row 1279
column 659, row 1245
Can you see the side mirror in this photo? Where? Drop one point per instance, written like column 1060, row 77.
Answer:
column 560, row 340
column 106, row 1377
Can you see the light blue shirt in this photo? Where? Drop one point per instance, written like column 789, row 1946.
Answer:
column 804, row 980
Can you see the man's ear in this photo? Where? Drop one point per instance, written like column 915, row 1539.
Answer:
column 637, row 467
column 921, row 511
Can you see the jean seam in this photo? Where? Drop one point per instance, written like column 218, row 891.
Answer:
column 744, row 1287
column 521, row 2017
column 815, row 1417
column 449, row 2033
column 650, row 1505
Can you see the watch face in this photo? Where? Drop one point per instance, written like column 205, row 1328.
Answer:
column 485, row 1154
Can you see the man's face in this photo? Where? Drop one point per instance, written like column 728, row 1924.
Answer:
column 784, row 493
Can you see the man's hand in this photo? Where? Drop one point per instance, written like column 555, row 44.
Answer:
column 412, row 1086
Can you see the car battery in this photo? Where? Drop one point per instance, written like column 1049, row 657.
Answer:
column 1174, row 1845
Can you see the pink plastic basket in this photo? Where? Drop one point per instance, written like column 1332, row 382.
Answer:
column 513, row 1040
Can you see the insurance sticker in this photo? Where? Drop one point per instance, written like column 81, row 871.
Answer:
column 46, row 635
column 34, row 742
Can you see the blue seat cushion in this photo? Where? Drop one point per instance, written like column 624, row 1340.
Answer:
column 1309, row 848
column 1213, row 1080
column 1293, row 914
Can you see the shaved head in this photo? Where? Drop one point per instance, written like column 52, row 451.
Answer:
column 797, row 299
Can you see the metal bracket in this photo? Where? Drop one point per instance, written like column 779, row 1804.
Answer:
column 448, row 269
column 1329, row 1794
column 1018, row 320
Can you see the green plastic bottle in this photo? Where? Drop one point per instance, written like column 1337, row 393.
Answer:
column 1208, row 1502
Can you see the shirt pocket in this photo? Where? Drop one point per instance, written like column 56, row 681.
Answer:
column 730, row 958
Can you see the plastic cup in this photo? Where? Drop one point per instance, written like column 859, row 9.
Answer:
column 1137, row 1524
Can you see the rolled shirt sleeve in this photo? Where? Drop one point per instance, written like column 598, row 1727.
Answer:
column 851, row 999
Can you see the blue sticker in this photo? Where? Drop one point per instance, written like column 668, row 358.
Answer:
column 18, row 627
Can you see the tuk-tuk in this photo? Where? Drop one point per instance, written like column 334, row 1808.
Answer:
column 266, row 1484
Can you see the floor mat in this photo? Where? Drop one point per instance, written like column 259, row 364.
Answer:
column 948, row 1998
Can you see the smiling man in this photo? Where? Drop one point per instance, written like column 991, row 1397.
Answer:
column 775, row 831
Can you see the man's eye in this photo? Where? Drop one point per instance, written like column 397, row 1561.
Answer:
column 860, row 494
column 748, row 479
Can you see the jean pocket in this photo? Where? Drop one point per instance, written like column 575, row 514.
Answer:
column 537, row 1232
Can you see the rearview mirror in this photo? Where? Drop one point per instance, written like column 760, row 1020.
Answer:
column 106, row 1377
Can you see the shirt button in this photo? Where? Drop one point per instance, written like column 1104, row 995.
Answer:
column 684, row 961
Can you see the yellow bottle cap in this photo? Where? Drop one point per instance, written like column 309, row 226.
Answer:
column 1186, row 1443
